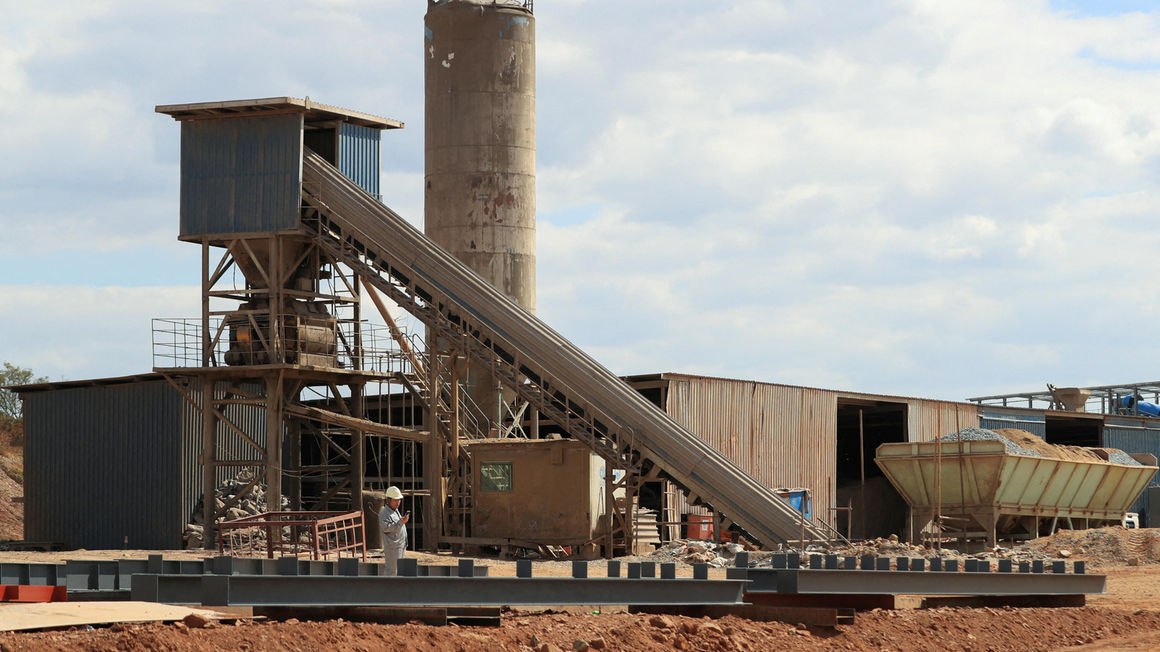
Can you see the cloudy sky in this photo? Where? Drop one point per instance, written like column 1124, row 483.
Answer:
column 938, row 199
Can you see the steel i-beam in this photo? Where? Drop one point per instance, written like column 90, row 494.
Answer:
column 270, row 591
column 916, row 583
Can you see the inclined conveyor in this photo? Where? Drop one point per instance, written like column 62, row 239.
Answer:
column 541, row 366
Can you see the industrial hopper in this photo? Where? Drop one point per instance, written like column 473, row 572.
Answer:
column 997, row 488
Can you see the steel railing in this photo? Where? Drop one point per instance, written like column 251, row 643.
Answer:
column 290, row 534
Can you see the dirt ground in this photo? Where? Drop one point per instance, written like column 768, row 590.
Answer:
column 11, row 511
column 1126, row 618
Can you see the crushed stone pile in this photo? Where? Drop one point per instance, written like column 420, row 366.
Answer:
column 1021, row 442
column 251, row 504
column 1112, row 545
column 694, row 551
column 982, row 434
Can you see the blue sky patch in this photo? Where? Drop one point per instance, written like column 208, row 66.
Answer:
column 1104, row 7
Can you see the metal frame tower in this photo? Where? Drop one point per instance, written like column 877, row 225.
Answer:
column 287, row 337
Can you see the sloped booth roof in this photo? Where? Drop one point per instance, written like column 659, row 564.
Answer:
column 311, row 111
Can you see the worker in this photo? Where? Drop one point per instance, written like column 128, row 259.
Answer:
column 393, row 523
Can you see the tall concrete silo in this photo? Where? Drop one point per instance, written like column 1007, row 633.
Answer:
column 480, row 133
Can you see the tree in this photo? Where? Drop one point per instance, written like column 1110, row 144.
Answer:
column 10, row 404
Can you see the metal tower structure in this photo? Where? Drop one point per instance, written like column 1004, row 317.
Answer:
column 270, row 184
column 281, row 328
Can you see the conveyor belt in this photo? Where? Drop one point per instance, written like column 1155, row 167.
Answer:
column 568, row 386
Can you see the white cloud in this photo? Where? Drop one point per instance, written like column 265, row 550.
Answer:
column 74, row 332
column 925, row 198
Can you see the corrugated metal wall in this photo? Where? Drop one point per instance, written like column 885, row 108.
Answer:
column 359, row 155
column 782, row 436
column 995, row 418
column 928, row 420
column 106, row 462
column 1136, row 436
column 101, row 466
column 241, row 175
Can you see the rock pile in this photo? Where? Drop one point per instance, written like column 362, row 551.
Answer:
column 693, row 551
column 251, row 504
column 1100, row 546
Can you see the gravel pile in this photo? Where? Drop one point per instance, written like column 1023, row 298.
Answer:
column 1120, row 457
column 982, row 434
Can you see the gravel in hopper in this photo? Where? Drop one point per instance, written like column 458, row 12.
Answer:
column 1078, row 453
column 972, row 433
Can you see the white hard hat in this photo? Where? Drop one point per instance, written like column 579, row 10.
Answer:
column 394, row 493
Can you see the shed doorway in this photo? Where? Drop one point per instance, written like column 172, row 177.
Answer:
column 1074, row 431
column 877, row 509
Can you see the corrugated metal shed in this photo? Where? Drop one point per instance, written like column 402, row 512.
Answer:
column 240, row 175
column 783, row 435
column 115, row 462
column 1134, row 435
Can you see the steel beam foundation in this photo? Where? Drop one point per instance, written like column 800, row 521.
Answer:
column 272, row 591
column 915, row 583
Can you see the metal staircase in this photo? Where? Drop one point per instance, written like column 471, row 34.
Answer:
column 567, row 386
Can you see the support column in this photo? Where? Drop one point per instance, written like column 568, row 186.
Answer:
column 208, row 463
column 629, row 519
column 455, row 414
column 294, row 464
column 206, row 339
column 274, row 405
column 433, row 459
column 358, row 458
column 609, row 509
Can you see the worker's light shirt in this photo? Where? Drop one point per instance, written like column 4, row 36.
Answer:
column 393, row 527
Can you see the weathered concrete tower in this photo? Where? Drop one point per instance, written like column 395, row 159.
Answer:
column 480, row 131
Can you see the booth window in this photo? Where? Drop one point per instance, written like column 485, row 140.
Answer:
column 495, row 476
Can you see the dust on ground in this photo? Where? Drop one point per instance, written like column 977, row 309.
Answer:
column 1127, row 617
column 941, row 629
